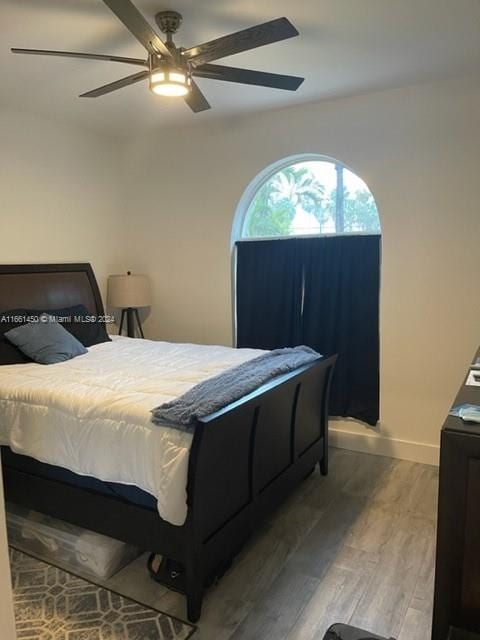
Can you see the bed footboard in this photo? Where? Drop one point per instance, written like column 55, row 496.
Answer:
column 245, row 460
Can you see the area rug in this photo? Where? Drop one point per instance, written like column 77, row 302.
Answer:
column 51, row 604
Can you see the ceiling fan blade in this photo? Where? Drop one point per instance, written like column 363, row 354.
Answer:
column 85, row 56
column 266, row 33
column 247, row 76
column 131, row 17
column 196, row 100
column 118, row 84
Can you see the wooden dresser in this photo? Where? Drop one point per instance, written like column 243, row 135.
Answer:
column 457, row 570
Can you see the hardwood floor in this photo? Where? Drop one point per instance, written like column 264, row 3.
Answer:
column 355, row 547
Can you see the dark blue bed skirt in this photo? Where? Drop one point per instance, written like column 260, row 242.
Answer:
column 126, row 492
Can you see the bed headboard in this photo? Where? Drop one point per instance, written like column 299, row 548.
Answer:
column 49, row 286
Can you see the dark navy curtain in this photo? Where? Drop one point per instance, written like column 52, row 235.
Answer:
column 322, row 292
column 269, row 294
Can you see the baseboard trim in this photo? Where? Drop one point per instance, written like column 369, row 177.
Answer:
column 381, row 446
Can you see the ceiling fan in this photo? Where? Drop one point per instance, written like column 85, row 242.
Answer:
column 170, row 70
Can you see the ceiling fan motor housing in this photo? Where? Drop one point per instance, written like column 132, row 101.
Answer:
column 169, row 21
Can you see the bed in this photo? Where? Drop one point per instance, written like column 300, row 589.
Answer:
column 193, row 498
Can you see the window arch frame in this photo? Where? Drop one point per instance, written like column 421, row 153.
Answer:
column 268, row 172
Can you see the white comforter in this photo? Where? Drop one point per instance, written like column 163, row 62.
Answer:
column 91, row 415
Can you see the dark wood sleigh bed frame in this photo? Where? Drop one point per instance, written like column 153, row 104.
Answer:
column 244, row 460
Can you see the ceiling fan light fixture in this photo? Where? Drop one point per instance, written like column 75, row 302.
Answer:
column 170, row 81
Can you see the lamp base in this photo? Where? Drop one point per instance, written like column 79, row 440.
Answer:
column 132, row 317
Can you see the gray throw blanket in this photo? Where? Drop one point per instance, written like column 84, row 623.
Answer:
column 215, row 393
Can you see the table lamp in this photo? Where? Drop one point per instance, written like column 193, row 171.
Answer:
column 129, row 292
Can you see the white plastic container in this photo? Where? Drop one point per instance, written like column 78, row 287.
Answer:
column 72, row 548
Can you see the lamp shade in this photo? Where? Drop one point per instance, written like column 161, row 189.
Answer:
column 129, row 290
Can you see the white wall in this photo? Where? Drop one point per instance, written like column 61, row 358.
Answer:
column 417, row 148
column 59, row 195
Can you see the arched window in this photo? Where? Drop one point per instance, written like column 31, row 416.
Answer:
column 307, row 271
column 306, row 195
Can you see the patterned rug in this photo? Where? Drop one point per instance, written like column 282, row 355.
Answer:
column 51, row 604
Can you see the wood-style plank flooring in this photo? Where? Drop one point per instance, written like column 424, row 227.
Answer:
column 355, row 547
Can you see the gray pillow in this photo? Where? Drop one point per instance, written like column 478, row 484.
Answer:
column 45, row 342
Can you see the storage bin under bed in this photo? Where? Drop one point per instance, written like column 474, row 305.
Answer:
column 65, row 545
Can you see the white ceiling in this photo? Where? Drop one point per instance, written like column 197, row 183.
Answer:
column 345, row 47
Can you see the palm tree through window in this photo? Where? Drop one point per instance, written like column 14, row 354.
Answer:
column 311, row 197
